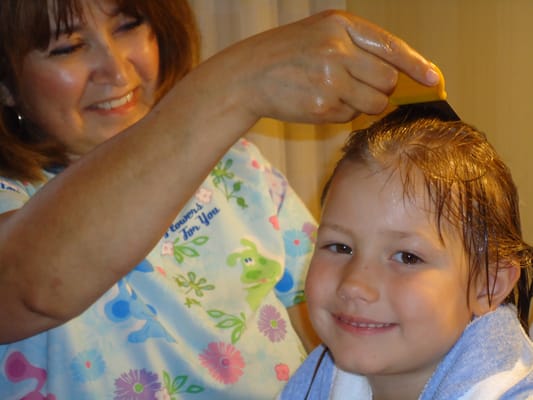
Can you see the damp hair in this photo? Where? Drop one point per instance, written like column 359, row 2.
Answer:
column 467, row 184
column 25, row 26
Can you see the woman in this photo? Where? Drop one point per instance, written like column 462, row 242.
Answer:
column 125, row 271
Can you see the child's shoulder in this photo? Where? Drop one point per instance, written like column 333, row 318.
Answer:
column 313, row 378
column 493, row 358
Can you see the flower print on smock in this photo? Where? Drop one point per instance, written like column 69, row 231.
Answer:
column 202, row 317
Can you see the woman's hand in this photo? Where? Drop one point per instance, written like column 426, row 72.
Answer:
column 326, row 68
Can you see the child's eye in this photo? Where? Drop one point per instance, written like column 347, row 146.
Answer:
column 339, row 248
column 406, row 258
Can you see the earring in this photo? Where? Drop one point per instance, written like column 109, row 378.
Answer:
column 19, row 122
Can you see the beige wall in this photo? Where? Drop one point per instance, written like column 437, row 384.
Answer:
column 485, row 49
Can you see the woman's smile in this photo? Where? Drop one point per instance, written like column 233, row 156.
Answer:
column 122, row 103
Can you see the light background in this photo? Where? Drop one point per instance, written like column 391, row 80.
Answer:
column 484, row 48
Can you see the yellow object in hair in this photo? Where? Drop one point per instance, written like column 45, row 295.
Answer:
column 409, row 91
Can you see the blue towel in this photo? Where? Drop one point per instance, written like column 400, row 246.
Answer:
column 493, row 359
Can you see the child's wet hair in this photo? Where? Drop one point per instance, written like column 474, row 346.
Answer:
column 467, row 184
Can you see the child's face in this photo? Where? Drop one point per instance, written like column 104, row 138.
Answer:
column 384, row 293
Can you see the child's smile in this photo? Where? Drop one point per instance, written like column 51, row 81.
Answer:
column 385, row 293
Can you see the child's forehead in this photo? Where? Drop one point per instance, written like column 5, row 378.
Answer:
column 376, row 187
column 405, row 189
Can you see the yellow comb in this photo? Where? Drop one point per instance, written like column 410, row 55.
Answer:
column 408, row 91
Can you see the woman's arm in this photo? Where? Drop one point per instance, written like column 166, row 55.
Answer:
column 95, row 221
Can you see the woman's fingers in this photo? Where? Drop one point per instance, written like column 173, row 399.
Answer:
column 391, row 49
column 323, row 69
column 350, row 64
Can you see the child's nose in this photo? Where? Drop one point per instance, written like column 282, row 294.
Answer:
column 358, row 283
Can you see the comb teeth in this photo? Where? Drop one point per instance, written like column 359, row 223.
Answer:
column 431, row 100
column 409, row 91
column 436, row 109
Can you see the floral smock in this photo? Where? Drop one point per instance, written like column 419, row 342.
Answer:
column 202, row 317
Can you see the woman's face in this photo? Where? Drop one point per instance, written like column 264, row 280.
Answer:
column 90, row 85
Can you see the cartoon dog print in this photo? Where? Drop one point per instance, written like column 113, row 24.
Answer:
column 259, row 273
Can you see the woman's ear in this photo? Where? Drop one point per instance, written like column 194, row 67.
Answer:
column 6, row 98
column 501, row 281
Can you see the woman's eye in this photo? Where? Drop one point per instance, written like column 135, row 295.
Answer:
column 339, row 248
column 65, row 49
column 130, row 24
column 406, row 258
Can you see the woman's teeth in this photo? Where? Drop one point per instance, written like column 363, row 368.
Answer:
column 108, row 105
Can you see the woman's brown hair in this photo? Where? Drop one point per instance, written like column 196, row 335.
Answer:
column 25, row 25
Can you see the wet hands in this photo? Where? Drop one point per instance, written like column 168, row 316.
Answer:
column 326, row 68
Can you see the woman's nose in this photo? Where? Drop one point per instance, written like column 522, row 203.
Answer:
column 359, row 283
column 110, row 66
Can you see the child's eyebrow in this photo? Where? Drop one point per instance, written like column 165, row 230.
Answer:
column 402, row 234
column 421, row 236
column 334, row 227
column 391, row 232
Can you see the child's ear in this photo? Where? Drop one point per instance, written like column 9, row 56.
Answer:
column 6, row 98
column 501, row 282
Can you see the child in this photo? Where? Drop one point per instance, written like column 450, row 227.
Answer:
column 420, row 278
